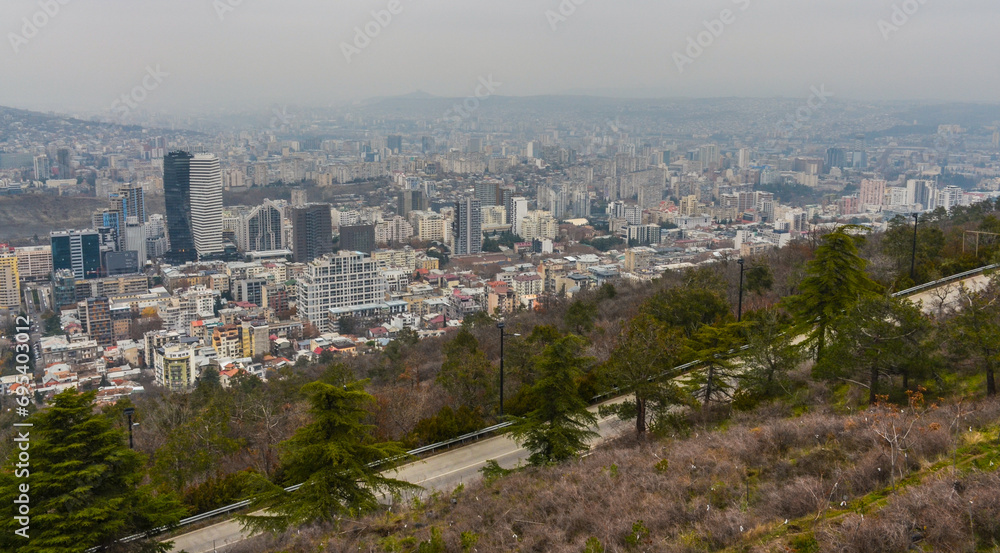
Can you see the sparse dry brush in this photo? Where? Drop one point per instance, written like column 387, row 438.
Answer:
column 713, row 491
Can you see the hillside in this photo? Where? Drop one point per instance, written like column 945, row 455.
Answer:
column 765, row 481
column 29, row 215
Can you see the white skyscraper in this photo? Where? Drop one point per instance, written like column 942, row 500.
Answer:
column 519, row 209
column 206, row 204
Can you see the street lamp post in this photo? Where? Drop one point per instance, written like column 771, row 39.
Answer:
column 129, row 411
column 913, row 258
column 739, row 312
column 501, row 326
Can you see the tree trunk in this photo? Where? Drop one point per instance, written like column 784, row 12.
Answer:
column 708, row 387
column 906, row 380
column 991, row 382
column 640, row 417
column 873, row 387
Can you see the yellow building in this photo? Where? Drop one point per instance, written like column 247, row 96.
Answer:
column 10, row 284
column 228, row 341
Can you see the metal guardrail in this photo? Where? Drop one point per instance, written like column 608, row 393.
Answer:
column 246, row 503
column 946, row 280
column 676, row 371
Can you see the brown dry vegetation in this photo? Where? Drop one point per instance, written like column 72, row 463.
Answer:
column 829, row 475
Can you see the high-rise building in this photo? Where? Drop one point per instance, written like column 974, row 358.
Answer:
column 872, row 193
column 343, row 280
column 34, row 262
column 538, row 225
column 206, row 204
column 10, row 282
column 95, row 316
column 177, row 197
column 78, row 251
column 709, row 156
column 130, row 201
column 299, row 197
column 395, row 143
column 261, row 229
column 859, row 159
column 312, row 232
column 43, row 168
column 427, row 144
column 359, row 238
column 923, row 192
column 135, row 239
column 743, row 158
column 411, row 200
column 64, row 163
column 836, row 157
column 518, row 209
column 488, row 193
column 468, row 227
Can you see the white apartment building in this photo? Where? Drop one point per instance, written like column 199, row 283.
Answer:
column 34, row 262
column 538, row 225
column 344, row 280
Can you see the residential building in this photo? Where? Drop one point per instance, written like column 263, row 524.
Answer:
column 468, row 227
column 34, row 262
column 95, row 316
column 312, row 232
column 538, row 225
column 343, row 280
column 359, row 238
column 10, row 282
column 261, row 229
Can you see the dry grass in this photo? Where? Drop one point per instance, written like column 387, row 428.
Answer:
column 692, row 495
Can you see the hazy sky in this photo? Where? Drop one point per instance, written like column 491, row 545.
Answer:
column 291, row 51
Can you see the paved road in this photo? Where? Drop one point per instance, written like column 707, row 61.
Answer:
column 446, row 471
column 443, row 472
column 941, row 299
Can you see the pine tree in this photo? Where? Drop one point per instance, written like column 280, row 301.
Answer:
column 836, row 280
column 771, row 354
column 715, row 347
column 336, row 458
column 878, row 337
column 975, row 332
column 560, row 426
column 85, row 485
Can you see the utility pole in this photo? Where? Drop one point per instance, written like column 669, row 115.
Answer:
column 913, row 258
column 501, row 326
column 129, row 411
column 739, row 313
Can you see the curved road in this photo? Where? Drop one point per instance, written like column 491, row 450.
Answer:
column 443, row 472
